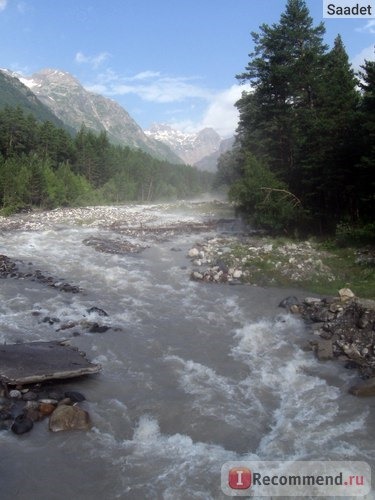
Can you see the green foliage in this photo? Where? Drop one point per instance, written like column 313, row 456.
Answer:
column 43, row 166
column 264, row 198
column 347, row 234
column 229, row 166
column 13, row 94
column 305, row 119
column 365, row 168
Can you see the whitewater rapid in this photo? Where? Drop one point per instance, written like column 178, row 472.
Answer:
column 194, row 375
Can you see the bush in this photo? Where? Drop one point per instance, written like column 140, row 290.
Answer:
column 348, row 234
column 265, row 200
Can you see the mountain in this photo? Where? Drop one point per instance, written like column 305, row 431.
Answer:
column 74, row 105
column 14, row 93
column 209, row 162
column 201, row 149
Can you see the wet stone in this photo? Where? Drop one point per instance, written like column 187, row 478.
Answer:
column 15, row 394
column 66, row 418
column 75, row 396
column 33, row 414
column 22, row 424
column 97, row 310
column 29, row 396
column 96, row 328
column 288, row 302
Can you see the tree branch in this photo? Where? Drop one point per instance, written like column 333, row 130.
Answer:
column 287, row 194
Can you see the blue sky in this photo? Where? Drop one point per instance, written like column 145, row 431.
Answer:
column 165, row 61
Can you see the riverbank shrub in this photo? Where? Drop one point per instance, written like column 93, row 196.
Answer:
column 43, row 166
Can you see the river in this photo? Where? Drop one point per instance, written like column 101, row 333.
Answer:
column 193, row 375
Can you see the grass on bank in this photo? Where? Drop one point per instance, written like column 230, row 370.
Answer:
column 306, row 265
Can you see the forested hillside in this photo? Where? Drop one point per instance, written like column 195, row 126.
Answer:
column 14, row 94
column 42, row 165
column 305, row 152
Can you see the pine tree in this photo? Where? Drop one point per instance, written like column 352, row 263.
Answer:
column 331, row 146
column 284, row 72
column 301, row 117
column 365, row 172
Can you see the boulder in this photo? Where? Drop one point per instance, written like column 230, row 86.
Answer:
column 67, row 418
column 346, row 294
column 365, row 389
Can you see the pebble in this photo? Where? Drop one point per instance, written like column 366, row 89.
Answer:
column 75, row 396
column 15, row 394
column 193, row 252
column 48, row 401
column 46, row 408
column 197, row 276
column 29, row 396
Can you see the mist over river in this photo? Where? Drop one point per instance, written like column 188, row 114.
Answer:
column 193, row 374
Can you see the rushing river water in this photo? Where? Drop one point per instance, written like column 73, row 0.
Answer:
column 193, row 375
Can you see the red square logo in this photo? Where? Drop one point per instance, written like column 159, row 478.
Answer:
column 239, row 478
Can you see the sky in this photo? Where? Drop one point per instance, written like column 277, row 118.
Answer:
column 164, row 61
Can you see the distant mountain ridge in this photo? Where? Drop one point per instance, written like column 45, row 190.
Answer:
column 14, row 93
column 209, row 162
column 58, row 97
column 201, row 149
column 70, row 103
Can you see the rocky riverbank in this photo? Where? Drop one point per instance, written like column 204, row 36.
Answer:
column 22, row 407
column 343, row 326
column 10, row 268
column 344, row 329
column 258, row 261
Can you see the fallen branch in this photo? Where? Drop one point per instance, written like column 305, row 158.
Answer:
column 287, row 194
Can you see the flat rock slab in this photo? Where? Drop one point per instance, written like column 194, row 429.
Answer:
column 34, row 362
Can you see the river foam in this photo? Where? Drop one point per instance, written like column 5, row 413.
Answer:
column 194, row 375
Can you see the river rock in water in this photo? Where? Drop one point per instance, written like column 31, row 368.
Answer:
column 22, row 424
column 366, row 388
column 67, row 418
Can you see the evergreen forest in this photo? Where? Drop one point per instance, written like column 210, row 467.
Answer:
column 44, row 166
column 303, row 161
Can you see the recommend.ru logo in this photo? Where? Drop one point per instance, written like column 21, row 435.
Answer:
column 296, row 479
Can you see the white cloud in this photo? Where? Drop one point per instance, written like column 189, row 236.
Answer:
column 93, row 61
column 144, row 75
column 369, row 27
column 150, row 86
column 367, row 54
column 221, row 113
column 3, row 4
